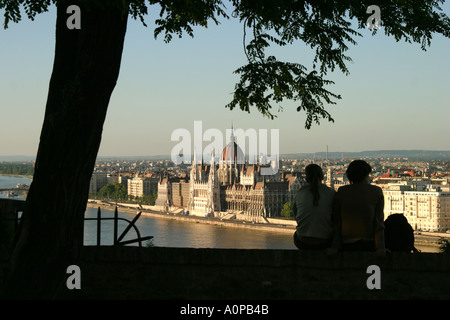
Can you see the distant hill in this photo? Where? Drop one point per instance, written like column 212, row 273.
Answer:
column 156, row 157
column 410, row 154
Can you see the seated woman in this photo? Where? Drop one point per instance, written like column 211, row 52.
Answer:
column 313, row 212
column 358, row 212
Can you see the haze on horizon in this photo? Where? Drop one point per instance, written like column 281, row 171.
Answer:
column 411, row 155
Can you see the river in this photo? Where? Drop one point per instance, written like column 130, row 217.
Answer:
column 11, row 182
column 174, row 233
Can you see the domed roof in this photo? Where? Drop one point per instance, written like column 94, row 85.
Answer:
column 232, row 154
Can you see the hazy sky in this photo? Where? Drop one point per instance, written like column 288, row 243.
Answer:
column 396, row 96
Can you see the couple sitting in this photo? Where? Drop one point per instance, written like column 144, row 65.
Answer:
column 350, row 219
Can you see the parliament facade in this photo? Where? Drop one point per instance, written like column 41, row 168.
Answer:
column 229, row 187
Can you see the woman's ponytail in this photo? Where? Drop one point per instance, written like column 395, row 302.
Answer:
column 314, row 176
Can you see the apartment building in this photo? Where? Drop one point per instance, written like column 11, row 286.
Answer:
column 98, row 181
column 138, row 187
column 427, row 207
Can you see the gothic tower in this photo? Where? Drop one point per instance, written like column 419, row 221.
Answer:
column 230, row 159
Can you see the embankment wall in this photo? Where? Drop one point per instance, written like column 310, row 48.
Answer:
column 184, row 273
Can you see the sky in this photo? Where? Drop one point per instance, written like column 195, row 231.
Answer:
column 396, row 97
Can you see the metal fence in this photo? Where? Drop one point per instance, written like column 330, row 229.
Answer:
column 10, row 215
column 117, row 239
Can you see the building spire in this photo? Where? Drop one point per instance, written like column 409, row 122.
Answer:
column 232, row 134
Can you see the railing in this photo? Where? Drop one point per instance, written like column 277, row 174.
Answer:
column 10, row 215
column 10, row 210
column 118, row 239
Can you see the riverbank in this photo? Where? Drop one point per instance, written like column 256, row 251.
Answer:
column 430, row 239
column 16, row 175
column 198, row 219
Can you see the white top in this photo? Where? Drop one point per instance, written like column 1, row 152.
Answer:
column 314, row 221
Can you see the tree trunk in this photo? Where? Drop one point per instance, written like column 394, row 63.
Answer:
column 85, row 71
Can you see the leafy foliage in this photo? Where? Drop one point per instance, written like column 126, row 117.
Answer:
column 177, row 16
column 12, row 9
column 287, row 211
column 146, row 198
column 323, row 25
column 118, row 192
column 115, row 191
column 16, row 168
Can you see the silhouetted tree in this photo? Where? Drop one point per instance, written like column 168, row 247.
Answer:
column 86, row 68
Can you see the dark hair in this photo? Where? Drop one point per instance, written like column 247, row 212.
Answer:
column 314, row 176
column 358, row 170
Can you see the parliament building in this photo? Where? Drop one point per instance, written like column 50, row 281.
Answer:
column 228, row 188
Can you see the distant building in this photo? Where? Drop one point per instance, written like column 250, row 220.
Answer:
column 204, row 188
column 335, row 179
column 228, row 188
column 180, row 193
column 426, row 207
column 123, row 179
column 98, row 181
column 138, row 187
column 164, row 199
column 424, row 202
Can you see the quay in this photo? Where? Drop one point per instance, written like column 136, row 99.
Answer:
column 277, row 225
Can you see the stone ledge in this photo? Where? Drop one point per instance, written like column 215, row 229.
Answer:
column 198, row 274
column 275, row 258
column 237, row 274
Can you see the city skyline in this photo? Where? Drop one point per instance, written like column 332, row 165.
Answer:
column 395, row 98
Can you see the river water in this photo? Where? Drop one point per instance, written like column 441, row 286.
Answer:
column 11, row 182
column 174, row 233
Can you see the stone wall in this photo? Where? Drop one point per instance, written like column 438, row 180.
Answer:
column 182, row 273
column 187, row 273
